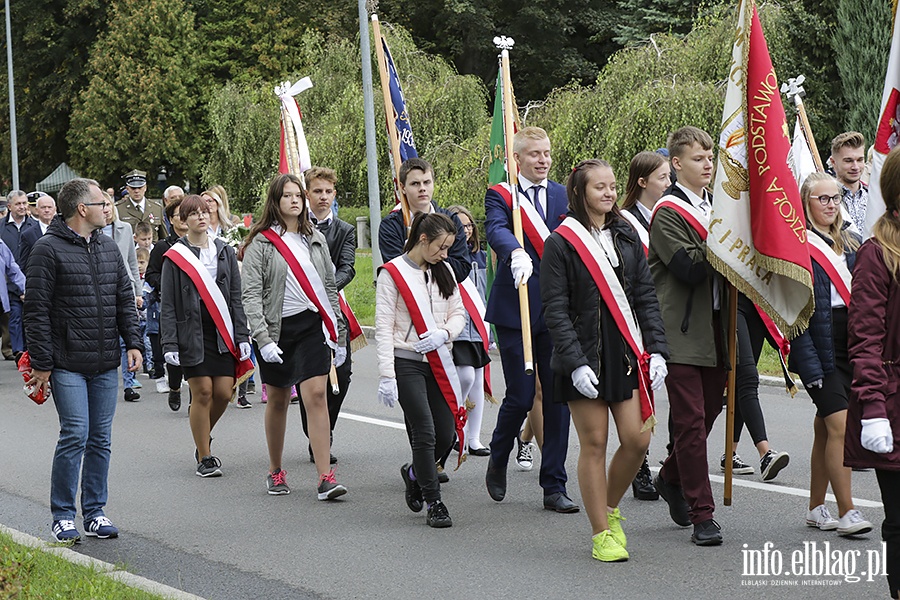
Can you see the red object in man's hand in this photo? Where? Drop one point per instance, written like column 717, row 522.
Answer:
column 32, row 390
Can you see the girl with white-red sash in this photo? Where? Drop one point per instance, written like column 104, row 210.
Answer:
column 609, row 345
column 203, row 328
column 820, row 354
column 291, row 301
column 418, row 311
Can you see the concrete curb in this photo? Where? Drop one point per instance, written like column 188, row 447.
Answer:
column 110, row 570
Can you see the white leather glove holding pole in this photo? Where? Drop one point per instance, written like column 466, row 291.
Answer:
column 172, row 358
column 431, row 340
column 271, row 353
column 877, row 436
column 521, row 266
column 658, row 371
column 584, row 380
column 387, row 391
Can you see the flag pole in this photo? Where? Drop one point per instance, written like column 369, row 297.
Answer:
column 393, row 136
column 508, row 117
column 729, row 404
column 793, row 89
column 293, row 158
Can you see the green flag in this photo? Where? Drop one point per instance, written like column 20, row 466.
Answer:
column 497, row 171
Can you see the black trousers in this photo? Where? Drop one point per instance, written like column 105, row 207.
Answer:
column 751, row 334
column 429, row 422
column 889, row 482
column 335, row 401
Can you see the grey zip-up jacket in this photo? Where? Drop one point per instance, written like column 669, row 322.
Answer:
column 263, row 273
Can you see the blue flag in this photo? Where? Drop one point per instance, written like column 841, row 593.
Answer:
column 401, row 116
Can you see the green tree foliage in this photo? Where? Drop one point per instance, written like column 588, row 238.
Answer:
column 557, row 41
column 445, row 109
column 140, row 107
column 642, row 18
column 862, row 43
column 49, row 62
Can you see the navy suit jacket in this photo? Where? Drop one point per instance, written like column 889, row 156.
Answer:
column 503, row 304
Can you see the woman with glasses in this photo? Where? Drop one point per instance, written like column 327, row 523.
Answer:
column 217, row 203
column 202, row 324
column 820, row 357
column 470, row 353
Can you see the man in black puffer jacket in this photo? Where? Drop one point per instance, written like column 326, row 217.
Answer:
column 78, row 301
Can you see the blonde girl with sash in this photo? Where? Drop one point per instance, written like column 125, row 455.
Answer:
column 418, row 311
column 203, row 328
column 291, row 301
column 820, row 354
column 609, row 345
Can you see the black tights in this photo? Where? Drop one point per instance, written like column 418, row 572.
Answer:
column 751, row 333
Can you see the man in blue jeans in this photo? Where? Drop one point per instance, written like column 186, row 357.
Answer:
column 78, row 301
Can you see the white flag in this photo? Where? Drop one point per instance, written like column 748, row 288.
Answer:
column 802, row 161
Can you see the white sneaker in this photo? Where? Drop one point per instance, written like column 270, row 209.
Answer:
column 162, row 386
column 525, row 455
column 852, row 523
column 820, row 518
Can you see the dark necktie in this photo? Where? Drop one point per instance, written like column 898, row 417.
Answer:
column 537, row 202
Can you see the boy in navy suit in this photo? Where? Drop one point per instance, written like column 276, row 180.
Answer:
column 517, row 264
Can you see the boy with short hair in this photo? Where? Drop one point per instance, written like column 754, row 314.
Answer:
column 691, row 296
column 143, row 235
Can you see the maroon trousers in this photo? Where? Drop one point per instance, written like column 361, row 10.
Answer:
column 695, row 400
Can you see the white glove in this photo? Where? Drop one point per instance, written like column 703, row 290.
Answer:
column 521, row 266
column 584, row 380
column 340, row 356
column 387, row 391
column 658, row 371
column 877, row 435
column 172, row 358
column 271, row 353
column 431, row 340
column 244, row 348
column 814, row 384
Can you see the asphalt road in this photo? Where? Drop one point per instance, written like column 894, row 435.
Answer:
column 226, row 538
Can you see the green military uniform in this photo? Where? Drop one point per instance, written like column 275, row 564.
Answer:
column 131, row 213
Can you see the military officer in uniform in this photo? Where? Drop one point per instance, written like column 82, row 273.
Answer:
column 135, row 207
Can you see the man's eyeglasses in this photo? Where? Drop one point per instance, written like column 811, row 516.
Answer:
column 824, row 200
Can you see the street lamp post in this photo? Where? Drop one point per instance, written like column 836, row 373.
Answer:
column 12, row 103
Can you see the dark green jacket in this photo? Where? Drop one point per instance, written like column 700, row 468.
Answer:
column 684, row 285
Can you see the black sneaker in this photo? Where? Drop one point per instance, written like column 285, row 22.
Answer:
column 332, row 459
column 242, row 402
column 738, row 467
column 442, row 475
column 175, row 400
column 642, row 486
column 678, row 506
column 438, row 516
column 251, row 387
column 772, row 463
column 276, row 483
column 131, row 395
column 707, row 533
column 209, row 466
column 413, row 494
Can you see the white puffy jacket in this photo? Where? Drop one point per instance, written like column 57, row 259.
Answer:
column 393, row 327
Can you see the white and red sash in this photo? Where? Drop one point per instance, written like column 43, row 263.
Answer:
column 690, row 214
column 212, row 297
column 643, row 234
column 440, row 360
column 310, row 282
column 533, row 225
column 613, row 295
column 837, row 271
column 354, row 329
column 474, row 305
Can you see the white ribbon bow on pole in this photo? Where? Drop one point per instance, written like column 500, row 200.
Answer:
column 286, row 92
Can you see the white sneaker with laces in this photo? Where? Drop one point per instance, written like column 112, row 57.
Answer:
column 820, row 518
column 525, row 455
column 852, row 523
column 162, row 386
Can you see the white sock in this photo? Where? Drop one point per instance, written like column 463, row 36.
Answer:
column 473, row 423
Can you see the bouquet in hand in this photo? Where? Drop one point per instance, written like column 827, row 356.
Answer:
column 32, row 390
